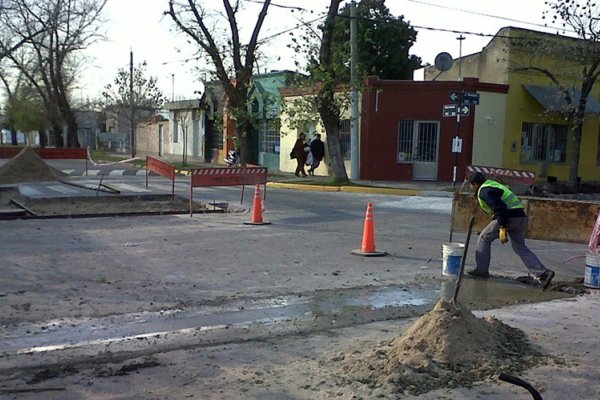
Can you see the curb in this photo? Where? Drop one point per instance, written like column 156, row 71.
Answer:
column 182, row 172
column 300, row 186
column 377, row 190
column 347, row 189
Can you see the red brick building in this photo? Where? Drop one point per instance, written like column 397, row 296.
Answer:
column 405, row 135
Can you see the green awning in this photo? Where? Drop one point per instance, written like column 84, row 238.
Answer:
column 553, row 99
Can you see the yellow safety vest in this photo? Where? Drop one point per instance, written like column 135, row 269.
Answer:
column 509, row 198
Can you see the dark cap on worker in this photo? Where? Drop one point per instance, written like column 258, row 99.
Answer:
column 477, row 178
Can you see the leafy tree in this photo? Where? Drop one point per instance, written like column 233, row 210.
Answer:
column 22, row 111
column 383, row 42
column 133, row 105
column 583, row 59
column 203, row 29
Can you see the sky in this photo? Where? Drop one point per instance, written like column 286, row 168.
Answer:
column 139, row 26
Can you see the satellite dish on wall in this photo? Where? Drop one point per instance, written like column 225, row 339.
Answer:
column 443, row 61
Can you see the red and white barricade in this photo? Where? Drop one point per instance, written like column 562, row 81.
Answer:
column 507, row 176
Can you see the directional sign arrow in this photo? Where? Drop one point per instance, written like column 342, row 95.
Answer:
column 454, row 96
column 464, row 110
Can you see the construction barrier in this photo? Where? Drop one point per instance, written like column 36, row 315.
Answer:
column 233, row 176
column 505, row 176
column 549, row 219
column 162, row 169
column 50, row 153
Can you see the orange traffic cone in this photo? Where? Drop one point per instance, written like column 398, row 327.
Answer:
column 257, row 210
column 368, row 242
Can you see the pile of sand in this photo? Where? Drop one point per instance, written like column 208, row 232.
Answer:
column 447, row 347
column 27, row 166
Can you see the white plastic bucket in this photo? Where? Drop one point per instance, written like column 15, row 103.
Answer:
column 451, row 257
column 592, row 271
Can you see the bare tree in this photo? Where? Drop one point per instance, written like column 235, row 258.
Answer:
column 194, row 20
column 183, row 119
column 55, row 31
column 134, row 97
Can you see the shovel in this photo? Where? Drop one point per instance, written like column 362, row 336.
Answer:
column 462, row 261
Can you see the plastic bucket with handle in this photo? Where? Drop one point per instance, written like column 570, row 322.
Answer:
column 451, row 258
column 592, row 271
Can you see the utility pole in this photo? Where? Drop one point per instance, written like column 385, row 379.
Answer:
column 172, row 87
column 354, row 120
column 460, row 40
column 131, row 103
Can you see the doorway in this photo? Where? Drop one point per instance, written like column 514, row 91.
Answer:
column 418, row 143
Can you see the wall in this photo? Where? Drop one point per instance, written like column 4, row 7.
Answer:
column 576, row 219
column 193, row 121
column 387, row 102
column 147, row 137
column 488, row 132
column 290, row 132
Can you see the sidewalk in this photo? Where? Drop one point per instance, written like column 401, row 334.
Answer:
column 321, row 183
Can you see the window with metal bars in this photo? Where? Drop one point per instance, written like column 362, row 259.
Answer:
column 345, row 137
column 269, row 135
column 544, row 142
column 417, row 141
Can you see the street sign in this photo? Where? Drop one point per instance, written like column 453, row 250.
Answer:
column 468, row 98
column 456, row 145
column 450, row 110
column 454, row 96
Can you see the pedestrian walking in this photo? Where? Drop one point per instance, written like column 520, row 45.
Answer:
column 317, row 150
column 300, row 150
column 509, row 221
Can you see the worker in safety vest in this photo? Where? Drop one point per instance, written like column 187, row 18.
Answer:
column 508, row 221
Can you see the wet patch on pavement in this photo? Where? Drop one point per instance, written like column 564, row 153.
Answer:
column 123, row 336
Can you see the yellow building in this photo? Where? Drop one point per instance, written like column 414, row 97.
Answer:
column 298, row 117
column 528, row 130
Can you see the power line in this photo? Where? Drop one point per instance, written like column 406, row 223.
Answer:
column 485, row 15
column 280, row 5
column 453, row 31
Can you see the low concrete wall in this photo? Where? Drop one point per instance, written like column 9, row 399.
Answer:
column 549, row 219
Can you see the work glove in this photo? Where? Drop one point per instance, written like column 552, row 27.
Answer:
column 503, row 236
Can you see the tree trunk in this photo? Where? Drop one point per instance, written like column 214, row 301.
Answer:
column 13, row 137
column 42, row 137
column 330, row 115
column 336, row 159
column 72, row 128
column 58, row 137
column 575, row 152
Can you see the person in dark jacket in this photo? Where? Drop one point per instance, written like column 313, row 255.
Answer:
column 317, row 149
column 300, row 151
column 508, row 221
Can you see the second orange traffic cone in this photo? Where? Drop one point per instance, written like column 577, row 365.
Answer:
column 257, row 218
column 368, row 241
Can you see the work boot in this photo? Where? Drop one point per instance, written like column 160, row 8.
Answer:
column 478, row 273
column 546, row 279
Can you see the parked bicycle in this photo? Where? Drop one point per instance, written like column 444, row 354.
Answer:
column 233, row 158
